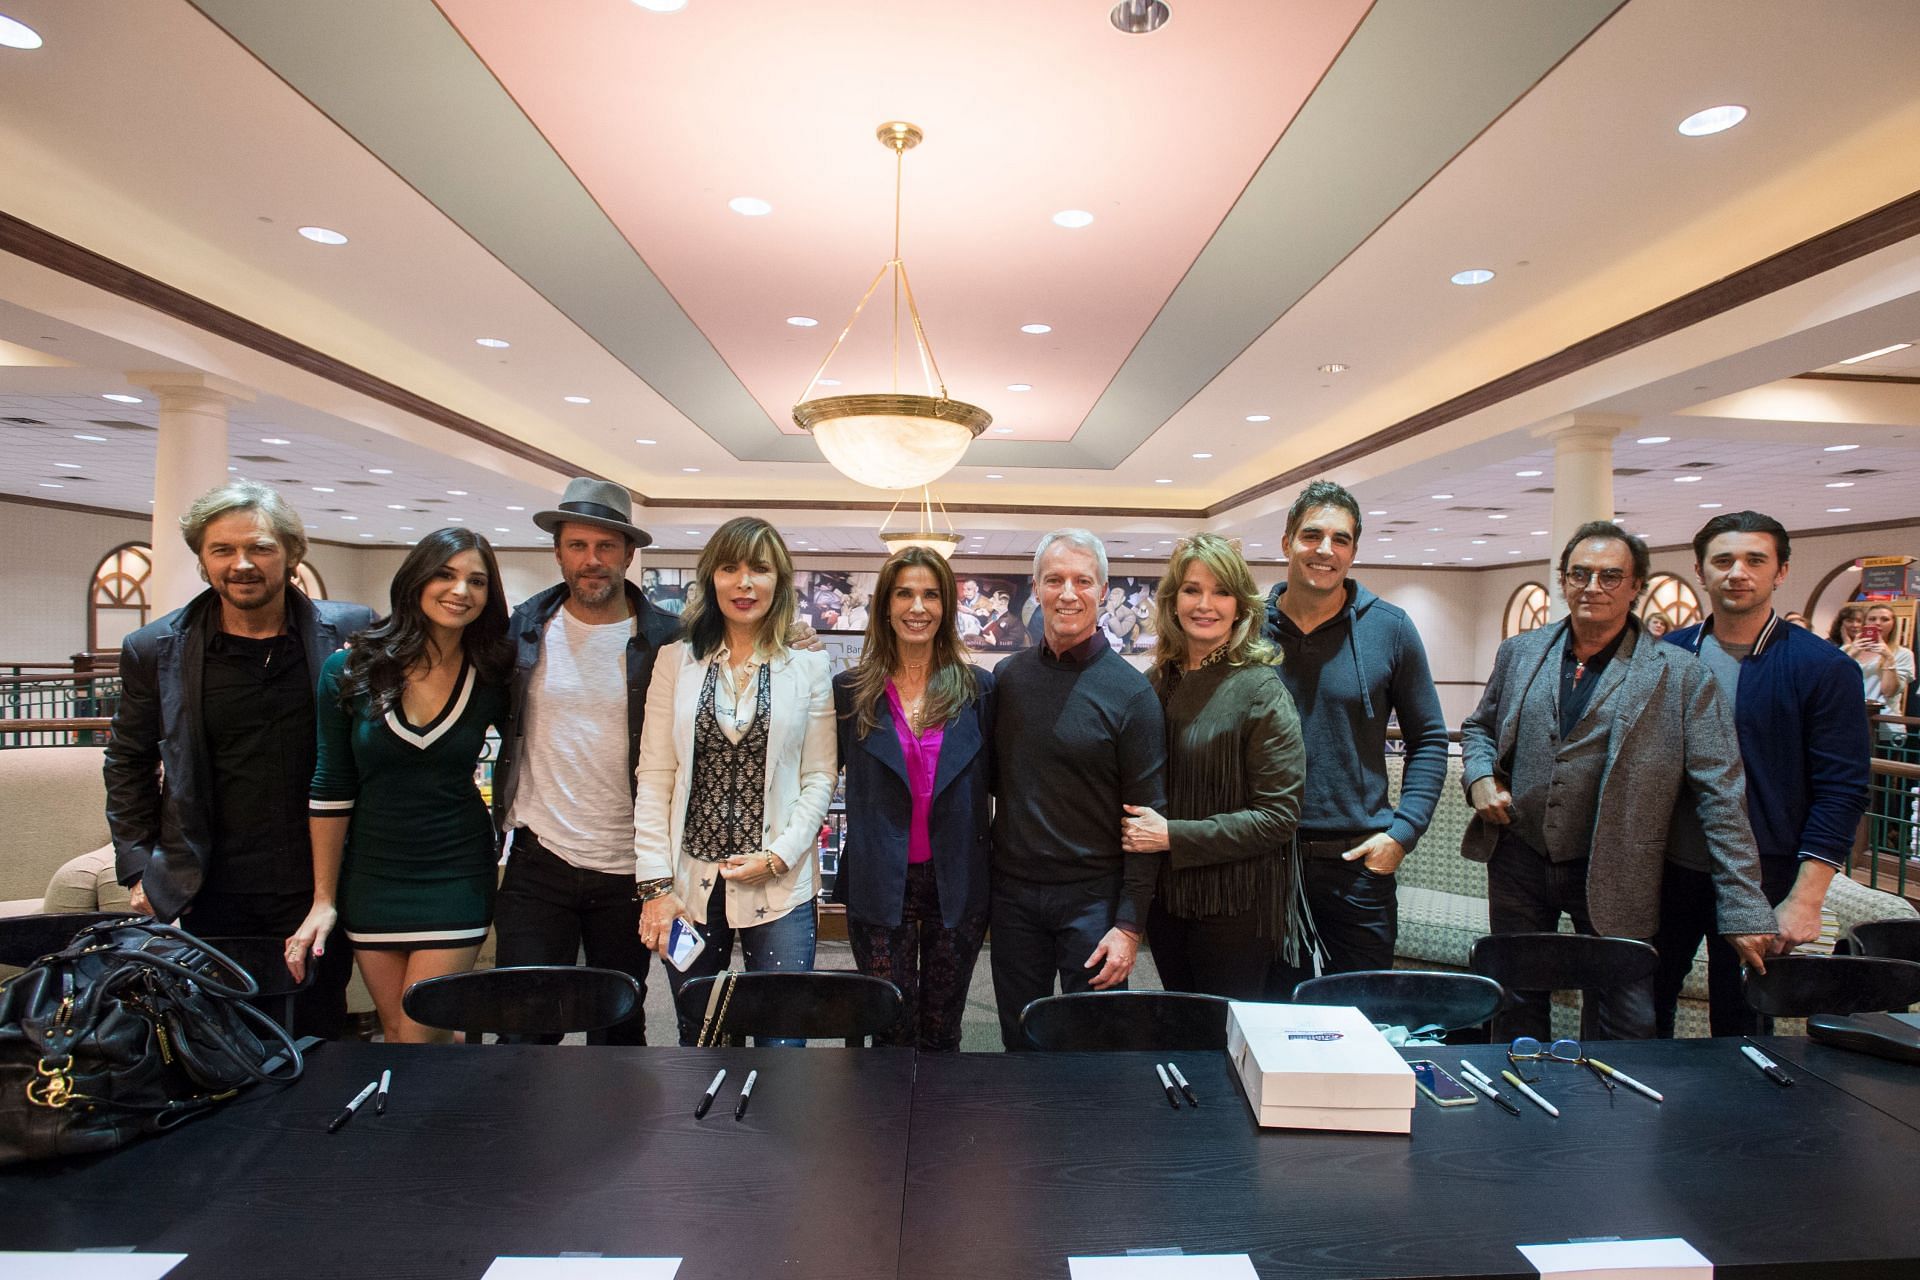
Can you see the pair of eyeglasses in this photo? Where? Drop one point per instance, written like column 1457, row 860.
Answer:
column 1609, row 579
column 1528, row 1049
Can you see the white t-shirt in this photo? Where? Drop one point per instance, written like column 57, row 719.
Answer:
column 1870, row 672
column 573, row 790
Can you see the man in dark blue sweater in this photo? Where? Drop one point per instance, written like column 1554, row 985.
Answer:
column 1077, row 734
column 1803, row 735
column 1352, row 661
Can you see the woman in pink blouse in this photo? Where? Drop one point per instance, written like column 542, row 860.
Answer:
column 915, row 722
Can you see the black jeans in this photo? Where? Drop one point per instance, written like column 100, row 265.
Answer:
column 1221, row 955
column 1041, row 931
column 320, row 1010
column 548, row 908
column 1687, row 917
column 1356, row 916
column 930, row 963
column 1526, row 892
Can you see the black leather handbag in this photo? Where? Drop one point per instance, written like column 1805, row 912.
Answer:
column 133, row 1028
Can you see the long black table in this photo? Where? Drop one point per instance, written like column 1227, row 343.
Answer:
column 1893, row 1087
column 875, row 1163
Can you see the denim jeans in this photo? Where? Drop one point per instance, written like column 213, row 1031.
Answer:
column 783, row 945
column 1356, row 918
column 1041, row 931
column 1686, row 917
column 1526, row 892
column 548, row 908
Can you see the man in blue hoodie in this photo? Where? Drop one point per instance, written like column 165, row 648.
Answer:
column 1803, row 733
column 1352, row 662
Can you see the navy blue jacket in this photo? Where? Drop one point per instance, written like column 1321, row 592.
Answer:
column 163, row 830
column 873, row 858
column 1804, row 740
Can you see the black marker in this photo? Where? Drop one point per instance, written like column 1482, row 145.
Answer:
column 346, row 1114
column 1173, row 1099
column 746, row 1094
column 1182, row 1082
column 713, row 1090
column 380, row 1102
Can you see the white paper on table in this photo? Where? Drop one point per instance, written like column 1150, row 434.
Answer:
column 1670, row 1259
column 582, row 1269
column 88, row 1266
column 1191, row 1266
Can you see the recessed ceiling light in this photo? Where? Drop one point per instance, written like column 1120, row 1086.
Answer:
column 662, row 6
column 1840, row 448
column 1036, row 328
column 690, row 470
column 366, row 535
column 1473, row 275
column 274, row 440
column 644, row 440
column 1203, row 456
column 1436, row 529
column 15, row 34
column 1479, row 542
column 74, row 466
column 1428, row 550
column 495, row 343
column 1383, row 539
column 1259, row 417
column 1898, row 346
column 406, row 528
column 1497, row 516
column 1163, row 480
column 349, row 517
column 802, row 322
column 578, row 399
column 1003, row 431
column 1426, row 564
column 694, row 533
column 48, row 484
column 1256, row 545
column 1527, row 475
column 1840, row 484
column 828, row 382
column 1837, row 510
column 456, row 493
column 1442, row 497
column 1712, row 506
column 1019, row 386
column 1712, row 120
column 750, row 206
column 117, row 398
column 323, row 235
column 1466, row 559
column 320, row 488
column 1073, row 219
column 94, row 439
column 1687, row 479
column 233, row 468
column 396, row 506
column 1539, row 533
column 1389, row 556
column 1653, row 439
column 995, row 475
column 516, row 508
column 1514, row 552
column 500, row 528
column 456, row 519
column 379, row 471
column 1333, row 368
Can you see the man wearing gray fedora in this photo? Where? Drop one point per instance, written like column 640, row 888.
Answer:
column 563, row 787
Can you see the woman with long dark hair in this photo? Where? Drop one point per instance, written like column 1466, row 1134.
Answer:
column 403, row 848
column 915, row 721
column 736, row 767
column 1226, row 906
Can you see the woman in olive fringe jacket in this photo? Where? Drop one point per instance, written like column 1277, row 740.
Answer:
column 1227, row 903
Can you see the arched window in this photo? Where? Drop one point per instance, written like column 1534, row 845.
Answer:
column 117, row 601
column 1526, row 610
column 1669, row 595
column 307, row 578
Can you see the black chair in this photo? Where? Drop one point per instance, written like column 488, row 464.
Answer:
column 24, row 939
column 1165, row 1021
column 1801, row 986
column 265, row 959
column 1563, row 962
column 800, row 1006
column 1889, row 939
column 529, row 1000
column 1410, row 998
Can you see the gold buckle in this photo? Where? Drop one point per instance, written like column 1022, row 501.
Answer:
column 54, row 1087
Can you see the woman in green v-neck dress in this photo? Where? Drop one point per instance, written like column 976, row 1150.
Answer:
column 403, row 846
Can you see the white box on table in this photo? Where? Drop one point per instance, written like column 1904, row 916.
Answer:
column 1307, row 1066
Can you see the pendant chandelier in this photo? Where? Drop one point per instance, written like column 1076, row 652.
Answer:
column 926, row 535
column 892, row 439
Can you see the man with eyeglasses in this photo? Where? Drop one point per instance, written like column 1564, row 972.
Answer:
column 1804, row 743
column 1352, row 662
column 1574, row 763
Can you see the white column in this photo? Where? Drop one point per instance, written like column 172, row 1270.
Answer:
column 1582, row 479
column 190, row 458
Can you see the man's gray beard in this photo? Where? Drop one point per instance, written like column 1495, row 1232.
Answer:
column 594, row 591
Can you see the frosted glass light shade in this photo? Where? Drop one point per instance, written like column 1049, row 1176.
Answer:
column 892, row 441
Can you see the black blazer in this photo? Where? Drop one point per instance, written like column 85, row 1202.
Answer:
column 162, row 834
column 873, row 858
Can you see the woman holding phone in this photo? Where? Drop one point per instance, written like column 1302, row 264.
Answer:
column 915, row 721
column 736, row 768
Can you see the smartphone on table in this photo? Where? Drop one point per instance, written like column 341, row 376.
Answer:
column 1432, row 1079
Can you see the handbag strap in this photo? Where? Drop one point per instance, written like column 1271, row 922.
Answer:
column 721, row 996
column 240, row 988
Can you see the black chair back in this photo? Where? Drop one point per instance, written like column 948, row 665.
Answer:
column 1410, row 998
column 801, row 1006
column 1889, row 939
column 1801, row 986
column 1164, row 1021
column 1563, row 962
column 528, row 1000
column 24, row 939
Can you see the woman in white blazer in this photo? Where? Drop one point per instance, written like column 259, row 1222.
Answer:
column 737, row 765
